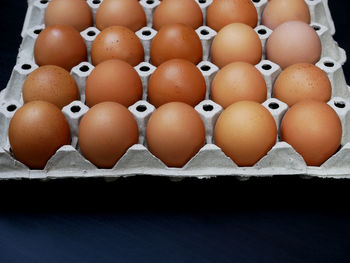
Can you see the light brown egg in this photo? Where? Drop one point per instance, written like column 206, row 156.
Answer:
column 186, row 12
column 236, row 42
column 302, row 81
column 75, row 13
column 176, row 80
column 176, row 41
column 175, row 133
column 117, row 42
column 293, row 42
column 37, row 130
column 128, row 13
column 277, row 12
column 106, row 131
column 224, row 12
column 245, row 131
column 113, row 80
column 313, row 129
column 238, row 81
column 52, row 84
column 60, row 45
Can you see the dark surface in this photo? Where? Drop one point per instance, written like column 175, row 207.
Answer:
column 148, row 219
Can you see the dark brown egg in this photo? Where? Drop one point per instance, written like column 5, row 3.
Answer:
column 113, row 80
column 176, row 41
column 176, row 80
column 37, row 130
column 60, row 45
column 117, row 42
column 120, row 13
column 106, row 131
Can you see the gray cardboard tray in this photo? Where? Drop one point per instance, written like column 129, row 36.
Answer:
column 210, row 161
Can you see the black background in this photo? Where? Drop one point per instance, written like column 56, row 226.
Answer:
column 151, row 219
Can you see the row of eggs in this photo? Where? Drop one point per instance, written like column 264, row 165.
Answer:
column 131, row 14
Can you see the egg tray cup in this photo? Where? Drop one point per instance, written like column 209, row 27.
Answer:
column 210, row 161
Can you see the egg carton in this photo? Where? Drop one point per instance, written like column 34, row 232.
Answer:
column 210, row 161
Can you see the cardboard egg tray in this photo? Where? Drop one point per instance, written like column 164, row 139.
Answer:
column 210, row 161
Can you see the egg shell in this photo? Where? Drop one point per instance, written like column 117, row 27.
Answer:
column 61, row 46
column 295, row 36
column 302, row 81
column 238, row 81
column 36, row 131
column 75, row 13
column 129, row 14
column 224, row 12
column 117, row 42
column 277, row 12
column 245, row 131
column 313, row 129
column 186, row 12
column 106, row 131
column 175, row 132
column 176, row 80
column 236, row 42
column 113, row 80
column 176, row 41
column 52, row 84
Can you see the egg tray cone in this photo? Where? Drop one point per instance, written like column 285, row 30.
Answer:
column 210, row 161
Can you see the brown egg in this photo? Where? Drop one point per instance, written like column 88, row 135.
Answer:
column 52, row 84
column 113, row 80
column 117, row 42
column 302, row 81
column 175, row 133
column 293, row 42
column 186, row 12
column 176, row 41
column 277, row 12
column 236, row 42
column 128, row 13
column 61, row 46
column 224, row 12
column 245, row 131
column 106, row 131
column 313, row 129
column 75, row 13
column 37, row 130
column 238, row 81
column 176, row 80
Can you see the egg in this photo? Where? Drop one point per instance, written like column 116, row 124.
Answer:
column 176, row 80
column 277, row 12
column 293, row 42
column 236, row 42
column 75, row 13
column 128, row 13
column 117, row 42
column 302, row 81
column 60, row 45
column 113, row 80
column 176, row 41
column 245, row 131
column 238, row 81
column 52, row 84
column 224, row 12
column 36, row 131
column 106, row 132
column 175, row 133
column 186, row 12
column 313, row 129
